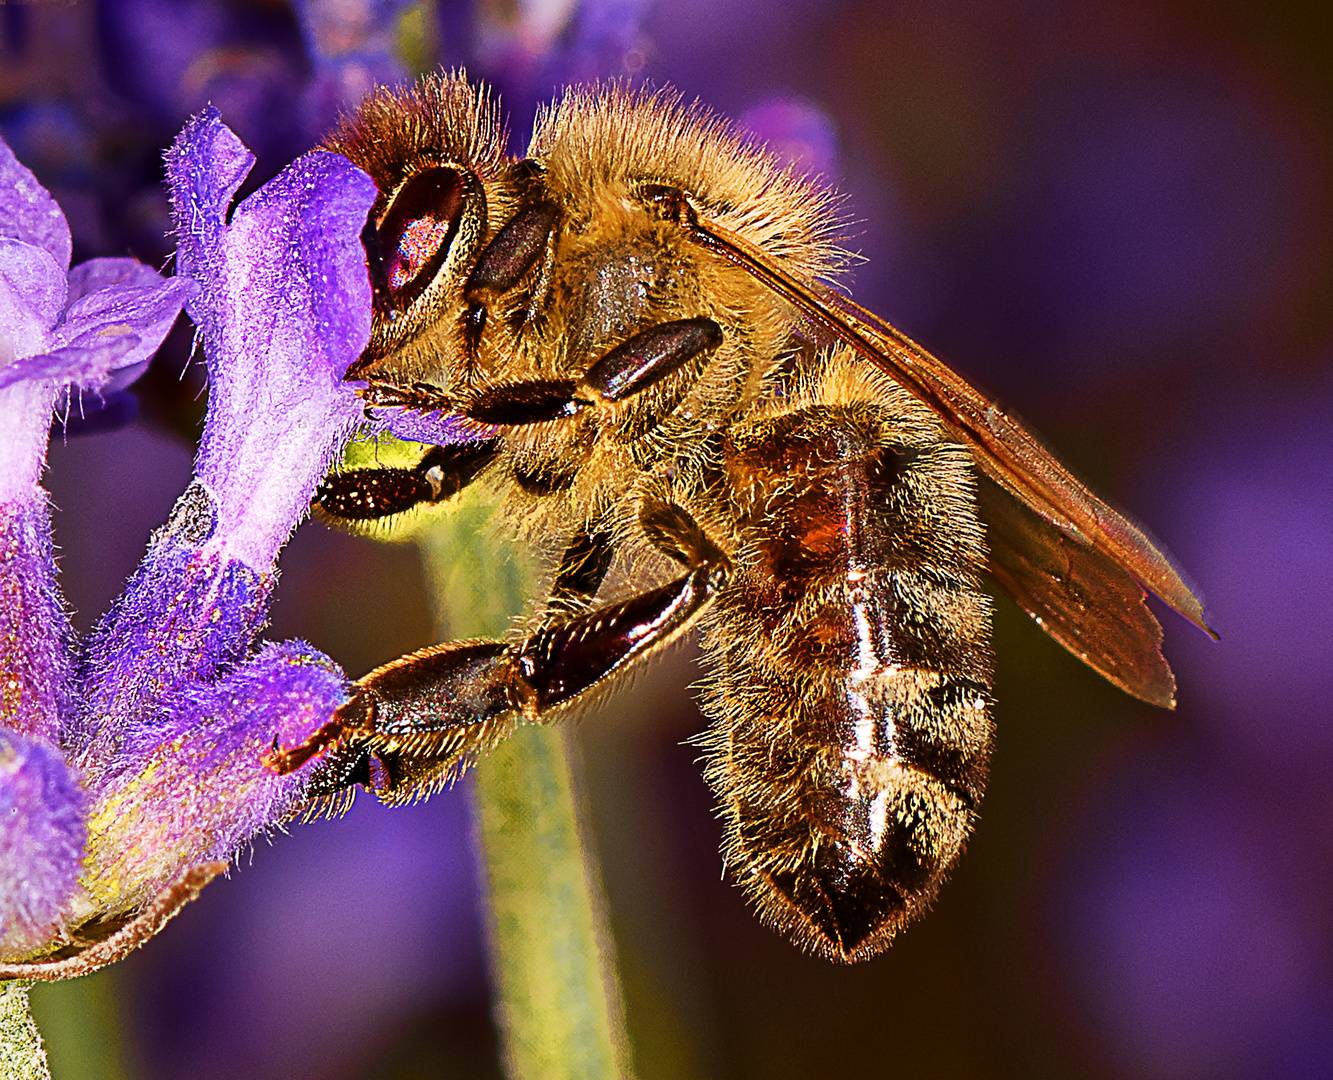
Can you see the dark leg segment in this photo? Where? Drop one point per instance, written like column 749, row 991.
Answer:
column 412, row 724
column 420, row 397
column 631, row 367
column 533, row 401
column 652, row 354
column 509, row 258
column 669, row 528
column 582, row 567
column 368, row 494
column 561, row 661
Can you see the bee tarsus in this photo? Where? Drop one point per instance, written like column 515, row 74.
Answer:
column 377, row 493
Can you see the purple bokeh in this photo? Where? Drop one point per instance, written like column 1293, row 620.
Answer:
column 1248, row 489
column 1193, row 914
column 334, row 940
column 1159, row 217
column 1187, row 930
column 1109, row 213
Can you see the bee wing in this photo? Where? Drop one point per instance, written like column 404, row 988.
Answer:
column 1078, row 594
column 1103, row 554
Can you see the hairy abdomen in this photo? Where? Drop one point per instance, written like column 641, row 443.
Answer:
column 851, row 670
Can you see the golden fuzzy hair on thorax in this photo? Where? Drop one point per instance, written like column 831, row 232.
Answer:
column 615, row 133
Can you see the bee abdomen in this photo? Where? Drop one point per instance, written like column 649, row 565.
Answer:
column 852, row 676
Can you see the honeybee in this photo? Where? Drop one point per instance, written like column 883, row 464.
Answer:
column 628, row 334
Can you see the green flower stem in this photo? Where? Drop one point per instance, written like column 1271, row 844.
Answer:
column 558, row 995
column 22, row 1055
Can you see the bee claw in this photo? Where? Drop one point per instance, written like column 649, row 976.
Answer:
column 286, row 761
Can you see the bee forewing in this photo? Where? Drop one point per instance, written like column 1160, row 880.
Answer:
column 1080, row 595
column 1003, row 448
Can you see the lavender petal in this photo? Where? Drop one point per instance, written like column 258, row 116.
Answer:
column 42, row 837
column 32, row 295
column 285, row 309
column 27, row 211
column 85, row 366
column 107, row 273
column 195, row 787
column 205, row 166
column 144, row 312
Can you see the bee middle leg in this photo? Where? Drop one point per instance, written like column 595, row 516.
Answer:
column 413, row 724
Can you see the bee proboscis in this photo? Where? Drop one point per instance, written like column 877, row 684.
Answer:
column 627, row 334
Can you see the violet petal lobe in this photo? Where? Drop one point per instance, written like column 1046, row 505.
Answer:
column 27, row 211
column 32, row 296
column 205, row 166
column 81, row 366
column 109, row 298
column 41, row 840
column 285, row 309
column 119, row 312
column 195, row 787
column 94, row 275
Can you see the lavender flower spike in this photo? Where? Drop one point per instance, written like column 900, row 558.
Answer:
column 286, row 309
column 182, row 704
column 173, row 702
column 62, row 332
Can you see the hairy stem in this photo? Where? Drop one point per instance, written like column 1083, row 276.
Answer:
column 558, row 995
column 22, row 1055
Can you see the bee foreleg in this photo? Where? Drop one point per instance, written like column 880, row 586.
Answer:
column 649, row 356
column 631, row 367
column 422, row 397
column 505, row 262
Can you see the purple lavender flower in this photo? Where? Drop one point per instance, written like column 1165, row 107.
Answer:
column 42, row 834
column 353, row 47
column 62, row 332
column 164, row 714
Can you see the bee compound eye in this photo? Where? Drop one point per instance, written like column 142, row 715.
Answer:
column 418, row 229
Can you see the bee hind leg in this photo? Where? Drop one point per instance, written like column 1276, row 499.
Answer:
column 412, row 725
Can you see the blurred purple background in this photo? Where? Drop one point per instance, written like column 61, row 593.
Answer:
column 1115, row 217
